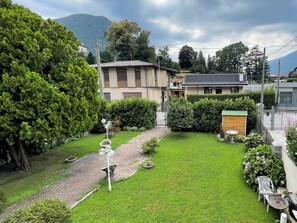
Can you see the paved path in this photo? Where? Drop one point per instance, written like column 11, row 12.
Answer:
column 86, row 172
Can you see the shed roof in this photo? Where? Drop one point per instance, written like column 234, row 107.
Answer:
column 234, row 113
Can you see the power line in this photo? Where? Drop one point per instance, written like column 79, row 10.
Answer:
column 283, row 46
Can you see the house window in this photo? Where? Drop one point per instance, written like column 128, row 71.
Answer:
column 132, row 94
column 234, row 89
column 207, row 90
column 106, row 77
column 122, row 77
column 218, row 90
column 286, row 97
column 137, row 78
column 107, row 96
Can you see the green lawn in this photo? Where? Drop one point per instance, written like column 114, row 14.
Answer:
column 196, row 179
column 49, row 167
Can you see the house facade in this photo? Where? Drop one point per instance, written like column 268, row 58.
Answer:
column 287, row 95
column 214, row 83
column 124, row 79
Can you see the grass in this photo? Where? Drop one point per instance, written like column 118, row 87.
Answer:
column 195, row 179
column 50, row 166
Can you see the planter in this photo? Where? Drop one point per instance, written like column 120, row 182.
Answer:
column 71, row 159
column 148, row 165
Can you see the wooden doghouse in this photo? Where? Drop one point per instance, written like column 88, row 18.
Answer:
column 234, row 120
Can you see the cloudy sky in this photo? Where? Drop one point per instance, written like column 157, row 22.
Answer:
column 206, row 25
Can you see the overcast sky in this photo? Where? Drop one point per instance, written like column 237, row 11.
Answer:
column 205, row 25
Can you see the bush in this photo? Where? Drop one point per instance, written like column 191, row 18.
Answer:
column 208, row 113
column 291, row 135
column 47, row 211
column 179, row 114
column 142, row 129
column 261, row 161
column 102, row 114
column 149, row 146
column 2, row 200
column 134, row 128
column 253, row 140
column 269, row 97
column 137, row 112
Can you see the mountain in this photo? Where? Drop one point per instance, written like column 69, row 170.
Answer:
column 287, row 63
column 87, row 28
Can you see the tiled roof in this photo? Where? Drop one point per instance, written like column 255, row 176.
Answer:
column 128, row 63
column 131, row 63
column 214, row 79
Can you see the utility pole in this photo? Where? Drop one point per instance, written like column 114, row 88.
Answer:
column 99, row 70
column 278, row 77
column 262, row 88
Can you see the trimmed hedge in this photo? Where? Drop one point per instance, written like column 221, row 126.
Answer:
column 47, row 211
column 269, row 97
column 133, row 111
column 207, row 113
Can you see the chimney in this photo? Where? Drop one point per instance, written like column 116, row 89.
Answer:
column 240, row 77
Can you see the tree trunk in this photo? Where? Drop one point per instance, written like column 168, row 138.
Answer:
column 19, row 155
column 23, row 157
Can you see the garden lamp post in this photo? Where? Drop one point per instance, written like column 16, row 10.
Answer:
column 107, row 152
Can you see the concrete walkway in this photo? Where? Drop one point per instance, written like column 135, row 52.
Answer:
column 85, row 173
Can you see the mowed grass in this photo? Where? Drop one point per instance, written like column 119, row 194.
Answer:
column 50, row 166
column 195, row 179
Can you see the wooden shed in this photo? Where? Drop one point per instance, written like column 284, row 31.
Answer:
column 234, row 120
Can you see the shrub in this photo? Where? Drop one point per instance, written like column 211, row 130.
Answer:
column 179, row 114
column 102, row 114
column 47, row 211
column 261, row 161
column 116, row 125
column 208, row 113
column 253, row 140
column 240, row 138
column 269, row 97
column 149, row 146
column 142, row 129
column 134, row 128
column 2, row 200
column 137, row 112
column 291, row 135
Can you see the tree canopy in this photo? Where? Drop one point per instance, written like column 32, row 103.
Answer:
column 48, row 92
column 185, row 57
column 127, row 41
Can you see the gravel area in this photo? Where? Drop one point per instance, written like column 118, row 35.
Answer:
column 85, row 173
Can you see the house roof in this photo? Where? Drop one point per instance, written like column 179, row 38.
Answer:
column 234, row 113
column 215, row 80
column 132, row 63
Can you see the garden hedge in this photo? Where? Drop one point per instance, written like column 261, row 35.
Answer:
column 47, row 211
column 269, row 97
column 133, row 111
column 207, row 113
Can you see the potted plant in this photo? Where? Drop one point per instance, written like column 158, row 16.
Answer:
column 148, row 164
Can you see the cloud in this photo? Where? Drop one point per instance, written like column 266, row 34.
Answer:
column 197, row 23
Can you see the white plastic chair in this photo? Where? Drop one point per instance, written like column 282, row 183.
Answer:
column 265, row 187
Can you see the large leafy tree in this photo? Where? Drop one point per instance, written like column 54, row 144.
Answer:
column 127, row 41
column 228, row 58
column 47, row 92
column 165, row 59
column 185, row 57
